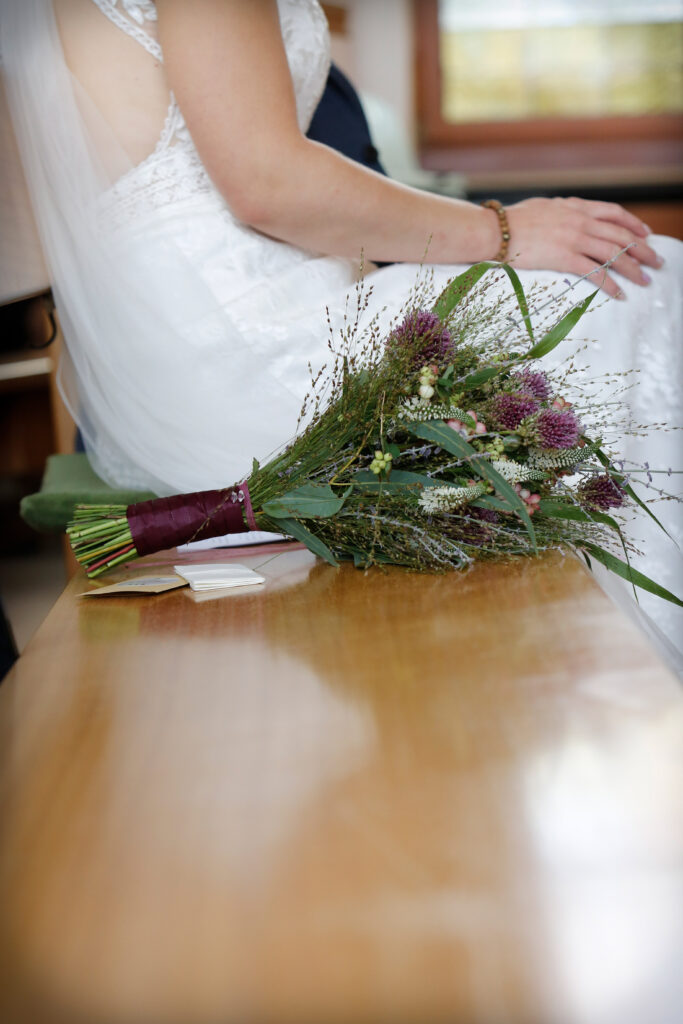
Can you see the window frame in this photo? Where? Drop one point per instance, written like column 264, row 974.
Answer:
column 483, row 145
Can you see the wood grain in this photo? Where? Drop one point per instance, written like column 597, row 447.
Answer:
column 344, row 796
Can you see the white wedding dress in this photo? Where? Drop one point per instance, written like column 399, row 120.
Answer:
column 189, row 334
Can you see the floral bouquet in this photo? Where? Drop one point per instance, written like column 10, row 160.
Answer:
column 435, row 446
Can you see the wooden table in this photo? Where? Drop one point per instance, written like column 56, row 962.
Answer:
column 343, row 797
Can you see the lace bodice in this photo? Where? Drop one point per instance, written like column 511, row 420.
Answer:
column 173, row 172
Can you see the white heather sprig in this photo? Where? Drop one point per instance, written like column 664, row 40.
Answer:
column 561, row 458
column 516, row 472
column 419, row 411
column 445, row 499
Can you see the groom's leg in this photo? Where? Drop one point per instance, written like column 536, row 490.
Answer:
column 339, row 122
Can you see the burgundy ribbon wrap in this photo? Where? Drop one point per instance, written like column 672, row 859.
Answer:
column 167, row 522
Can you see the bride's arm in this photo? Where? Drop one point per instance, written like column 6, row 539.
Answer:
column 226, row 64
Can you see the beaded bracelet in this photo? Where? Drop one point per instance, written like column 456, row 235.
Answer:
column 494, row 204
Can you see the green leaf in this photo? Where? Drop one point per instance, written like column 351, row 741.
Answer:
column 491, row 501
column 561, row 329
column 311, row 501
column 458, row 288
column 438, row 433
column 475, row 380
column 521, row 299
column 562, row 510
column 362, row 559
column 619, row 477
column 630, row 574
column 400, row 480
column 313, row 543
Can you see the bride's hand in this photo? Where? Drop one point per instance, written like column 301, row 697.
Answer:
column 577, row 236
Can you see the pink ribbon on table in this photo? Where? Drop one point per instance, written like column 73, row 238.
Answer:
column 167, row 522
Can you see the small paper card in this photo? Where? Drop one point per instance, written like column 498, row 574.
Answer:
column 234, row 540
column 139, row 585
column 218, row 575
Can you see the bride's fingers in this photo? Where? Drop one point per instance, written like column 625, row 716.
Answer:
column 603, row 251
column 611, row 212
column 597, row 275
column 637, row 249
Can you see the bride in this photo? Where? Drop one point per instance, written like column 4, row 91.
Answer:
column 195, row 236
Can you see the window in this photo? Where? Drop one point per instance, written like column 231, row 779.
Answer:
column 550, row 72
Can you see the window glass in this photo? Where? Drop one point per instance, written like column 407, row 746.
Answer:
column 523, row 59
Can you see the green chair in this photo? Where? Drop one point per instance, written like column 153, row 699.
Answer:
column 70, row 480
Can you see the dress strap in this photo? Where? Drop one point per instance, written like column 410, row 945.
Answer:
column 130, row 23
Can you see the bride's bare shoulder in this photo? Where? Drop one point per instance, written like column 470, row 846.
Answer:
column 125, row 81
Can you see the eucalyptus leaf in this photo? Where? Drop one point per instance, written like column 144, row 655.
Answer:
column 311, row 501
column 491, row 501
column 561, row 329
column 399, row 481
column 313, row 543
column 404, row 476
column 437, row 432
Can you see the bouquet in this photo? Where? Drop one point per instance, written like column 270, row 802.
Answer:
column 443, row 443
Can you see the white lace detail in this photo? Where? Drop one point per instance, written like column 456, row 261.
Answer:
column 304, row 31
column 307, row 42
column 173, row 172
column 170, row 175
column 137, row 11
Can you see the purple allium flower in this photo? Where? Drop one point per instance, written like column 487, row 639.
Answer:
column 557, row 428
column 511, row 407
column 484, row 515
column 533, row 382
column 423, row 332
column 475, row 528
column 601, row 492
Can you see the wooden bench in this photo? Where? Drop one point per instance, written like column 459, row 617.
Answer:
column 344, row 796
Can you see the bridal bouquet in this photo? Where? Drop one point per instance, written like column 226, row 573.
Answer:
column 435, row 446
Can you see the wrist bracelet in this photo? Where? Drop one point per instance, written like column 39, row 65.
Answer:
column 494, row 204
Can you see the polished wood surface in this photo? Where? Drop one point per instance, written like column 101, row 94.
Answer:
column 343, row 796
